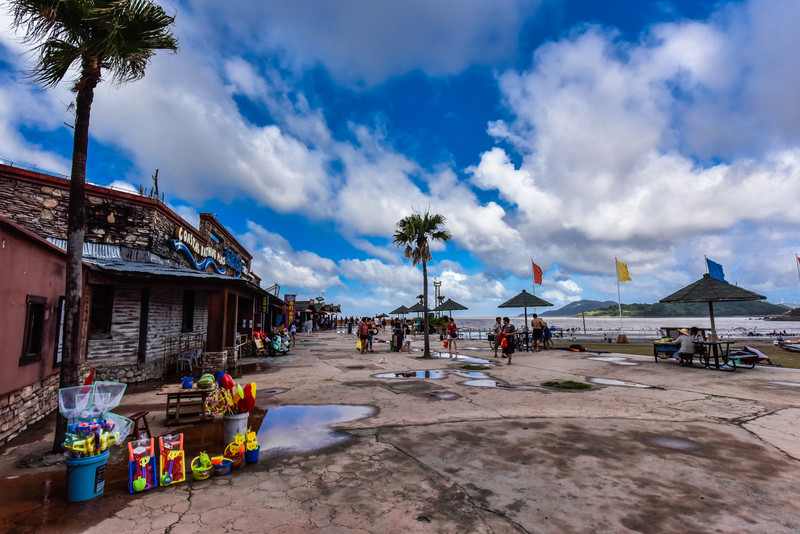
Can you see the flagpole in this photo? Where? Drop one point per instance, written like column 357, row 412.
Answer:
column 619, row 299
column 533, row 288
column 706, row 262
column 797, row 264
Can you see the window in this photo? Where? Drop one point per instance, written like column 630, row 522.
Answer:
column 102, row 306
column 34, row 328
column 187, row 325
column 59, row 332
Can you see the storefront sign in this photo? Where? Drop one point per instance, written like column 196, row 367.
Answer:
column 187, row 243
column 289, row 299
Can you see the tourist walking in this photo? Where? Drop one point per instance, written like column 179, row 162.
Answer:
column 452, row 334
column 538, row 326
column 497, row 329
column 363, row 334
column 406, row 338
column 508, row 337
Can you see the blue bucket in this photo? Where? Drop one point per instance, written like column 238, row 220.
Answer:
column 86, row 477
column 251, row 455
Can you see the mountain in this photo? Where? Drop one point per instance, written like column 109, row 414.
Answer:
column 575, row 308
column 751, row 308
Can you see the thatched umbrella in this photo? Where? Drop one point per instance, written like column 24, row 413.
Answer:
column 711, row 290
column 402, row 310
column 525, row 300
column 450, row 305
column 417, row 308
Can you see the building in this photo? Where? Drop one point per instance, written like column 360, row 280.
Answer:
column 156, row 290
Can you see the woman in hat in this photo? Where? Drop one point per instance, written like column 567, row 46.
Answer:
column 685, row 343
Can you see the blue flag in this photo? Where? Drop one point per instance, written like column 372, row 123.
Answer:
column 715, row 270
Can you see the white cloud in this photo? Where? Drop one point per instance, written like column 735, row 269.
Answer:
column 370, row 42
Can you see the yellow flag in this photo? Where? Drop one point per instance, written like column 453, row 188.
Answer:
column 622, row 272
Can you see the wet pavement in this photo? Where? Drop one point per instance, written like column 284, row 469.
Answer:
column 366, row 443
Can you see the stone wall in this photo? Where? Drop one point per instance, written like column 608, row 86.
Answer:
column 24, row 407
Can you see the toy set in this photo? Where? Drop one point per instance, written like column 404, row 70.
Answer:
column 146, row 469
column 91, row 428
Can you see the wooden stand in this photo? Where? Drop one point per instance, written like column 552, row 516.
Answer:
column 185, row 405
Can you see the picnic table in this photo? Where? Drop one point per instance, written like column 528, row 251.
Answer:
column 720, row 351
column 185, row 405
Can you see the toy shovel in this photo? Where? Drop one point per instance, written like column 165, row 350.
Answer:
column 140, row 482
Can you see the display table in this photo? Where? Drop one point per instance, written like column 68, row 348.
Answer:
column 185, row 405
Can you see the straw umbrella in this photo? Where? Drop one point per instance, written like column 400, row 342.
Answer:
column 402, row 310
column 712, row 290
column 450, row 305
column 525, row 300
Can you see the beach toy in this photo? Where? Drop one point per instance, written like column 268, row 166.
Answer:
column 221, row 465
column 226, row 382
column 172, row 465
column 235, row 451
column 248, row 401
column 139, row 483
column 107, row 395
column 141, row 455
column 187, row 382
column 75, row 401
column 201, row 466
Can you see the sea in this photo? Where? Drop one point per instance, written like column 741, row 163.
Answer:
column 642, row 328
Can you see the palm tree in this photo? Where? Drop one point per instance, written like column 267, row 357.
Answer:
column 413, row 233
column 119, row 36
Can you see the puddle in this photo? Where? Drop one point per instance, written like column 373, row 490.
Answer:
column 790, row 384
column 616, row 360
column 270, row 392
column 470, row 374
column 432, row 374
column 613, row 382
column 486, row 383
column 459, row 357
column 677, row 444
column 299, row 429
column 444, row 395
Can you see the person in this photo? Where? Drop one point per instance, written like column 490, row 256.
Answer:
column 547, row 338
column 496, row 330
column 685, row 344
column 538, row 326
column 373, row 331
column 406, row 338
column 293, row 333
column 363, row 334
column 452, row 333
column 508, row 335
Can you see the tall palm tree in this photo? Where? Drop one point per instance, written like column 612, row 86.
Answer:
column 413, row 233
column 119, row 36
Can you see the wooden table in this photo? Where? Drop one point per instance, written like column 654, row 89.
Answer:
column 185, row 405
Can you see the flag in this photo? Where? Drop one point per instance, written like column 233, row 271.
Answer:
column 622, row 271
column 715, row 270
column 537, row 274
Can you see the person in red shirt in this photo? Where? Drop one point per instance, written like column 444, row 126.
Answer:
column 363, row 334
column 452, row 334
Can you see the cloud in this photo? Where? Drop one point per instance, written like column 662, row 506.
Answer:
column 367, row 43
column 275, row 261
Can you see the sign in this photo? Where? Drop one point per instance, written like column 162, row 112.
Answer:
column 289, row 299
column 187, row 243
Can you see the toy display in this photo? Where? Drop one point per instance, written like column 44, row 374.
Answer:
column 221, row 465
column 141, row 465
column 235, row 451
column 91, row 428
column 230, row 397
column 201, row 466
column 251, row 447
column 172, row 465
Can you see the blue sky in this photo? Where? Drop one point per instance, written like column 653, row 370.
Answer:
column 570, row 132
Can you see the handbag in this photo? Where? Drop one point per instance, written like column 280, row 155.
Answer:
column 504, row 343
column 445, row 343
column 358, row 345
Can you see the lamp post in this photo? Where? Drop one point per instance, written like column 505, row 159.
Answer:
column 437, row 284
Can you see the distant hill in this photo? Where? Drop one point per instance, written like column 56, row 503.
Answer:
column 791, row 315
column 575, row 308
column 752, row 308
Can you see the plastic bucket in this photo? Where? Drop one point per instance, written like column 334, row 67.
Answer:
column 251, row 455
column 233, row 424
column 86, row 477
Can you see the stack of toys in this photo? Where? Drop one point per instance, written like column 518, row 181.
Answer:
column 141, row 465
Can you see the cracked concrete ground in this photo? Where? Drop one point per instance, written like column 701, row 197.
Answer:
column 697, row 451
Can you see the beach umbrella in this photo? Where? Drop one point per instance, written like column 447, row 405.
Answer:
column 450, row 305
column 402, row 310
column 712, row 290
column 418, row 308
column 525, row 300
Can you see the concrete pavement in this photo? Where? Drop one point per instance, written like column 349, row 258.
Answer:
column 650, row 447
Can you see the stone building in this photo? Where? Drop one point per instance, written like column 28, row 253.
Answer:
column 156, row 290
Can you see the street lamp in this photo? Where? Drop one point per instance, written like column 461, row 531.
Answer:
column 437, row 284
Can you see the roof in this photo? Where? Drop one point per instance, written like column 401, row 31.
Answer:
column 450, row 304
column 709, row 289
column 524, row 300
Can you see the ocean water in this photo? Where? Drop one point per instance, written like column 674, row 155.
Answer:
column 641, row 327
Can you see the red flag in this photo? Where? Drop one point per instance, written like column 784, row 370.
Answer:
column 537, row 274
